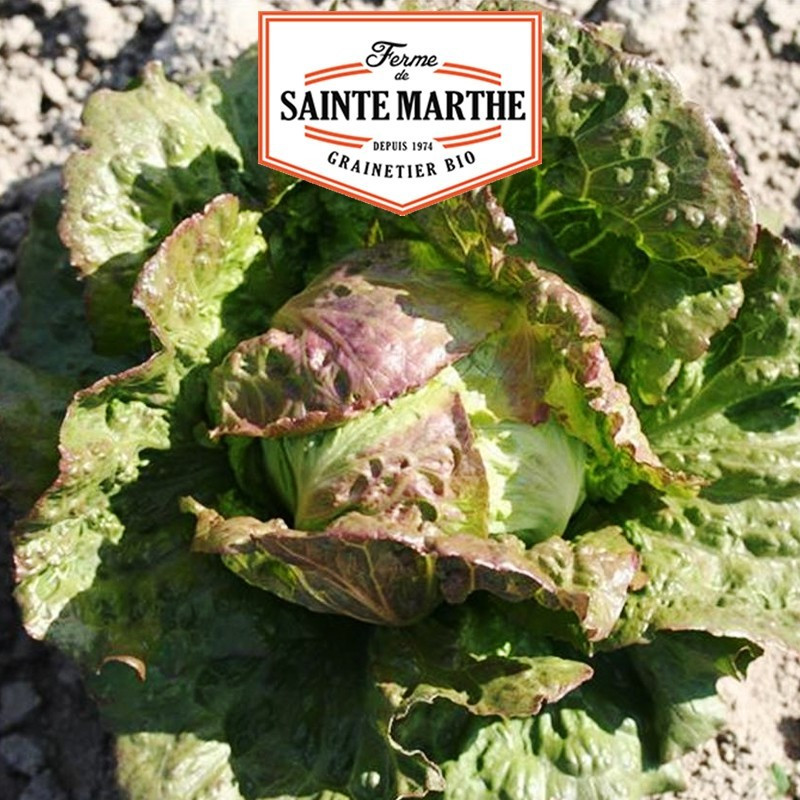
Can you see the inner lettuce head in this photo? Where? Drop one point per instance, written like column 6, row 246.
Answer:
column 534, row 474
column 412, row 419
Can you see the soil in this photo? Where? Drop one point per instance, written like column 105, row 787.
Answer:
column 739, row 59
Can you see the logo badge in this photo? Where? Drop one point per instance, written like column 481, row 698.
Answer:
column 400, row 109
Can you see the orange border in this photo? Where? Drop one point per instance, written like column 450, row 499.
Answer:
column 466, row 135
column 334, row 75
column 535, row 158
column 338, row 135
column 466, row 67
column 468, row 75
column 352, row 65
column 334, row 141
column 466, row 142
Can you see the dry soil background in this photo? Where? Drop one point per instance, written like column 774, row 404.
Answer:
column 739, row 58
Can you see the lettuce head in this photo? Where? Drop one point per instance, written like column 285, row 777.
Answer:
column 476, row 503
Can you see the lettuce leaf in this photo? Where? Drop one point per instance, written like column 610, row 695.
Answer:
column 127, row 429
column 600, row 741
column 637, row 202
column 727, row 561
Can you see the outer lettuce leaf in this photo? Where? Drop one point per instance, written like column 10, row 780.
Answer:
column 754, row 356
column 680, row 672
column 637, row 201
column 102, row 437
column 31, row 406
column 625, row 157
column 728, row 561
column 114, row 431
column 730, row 569
column 154, row 157
column 51, row 332
column 469, row 657
column 604, row 741
column 208, row 285
column 671, row 318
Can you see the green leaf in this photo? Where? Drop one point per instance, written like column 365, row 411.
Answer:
column 754, row 355
column 119, row 434
column 728, row 568
column 637, row 201
column 681, row 673
column 102, row 440
column 32, row 404
column 603, row 741
column 195, row 290
column 671, row 318
column 154, row 156
column 475, row 657
column 51, row 333
column 590, row 746
column 625, row 156
column 727, row 561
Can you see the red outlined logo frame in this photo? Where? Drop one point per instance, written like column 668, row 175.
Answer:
column 401, row 209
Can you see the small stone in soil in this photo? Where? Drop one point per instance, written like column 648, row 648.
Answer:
column 21, row 100
column 54, row 88
column 727, row 746
column 65, row 67
column 6, row 263
column 43, row 787
column 21, row 753
column 16, row 33
column 12, row 229
column 17, row 700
